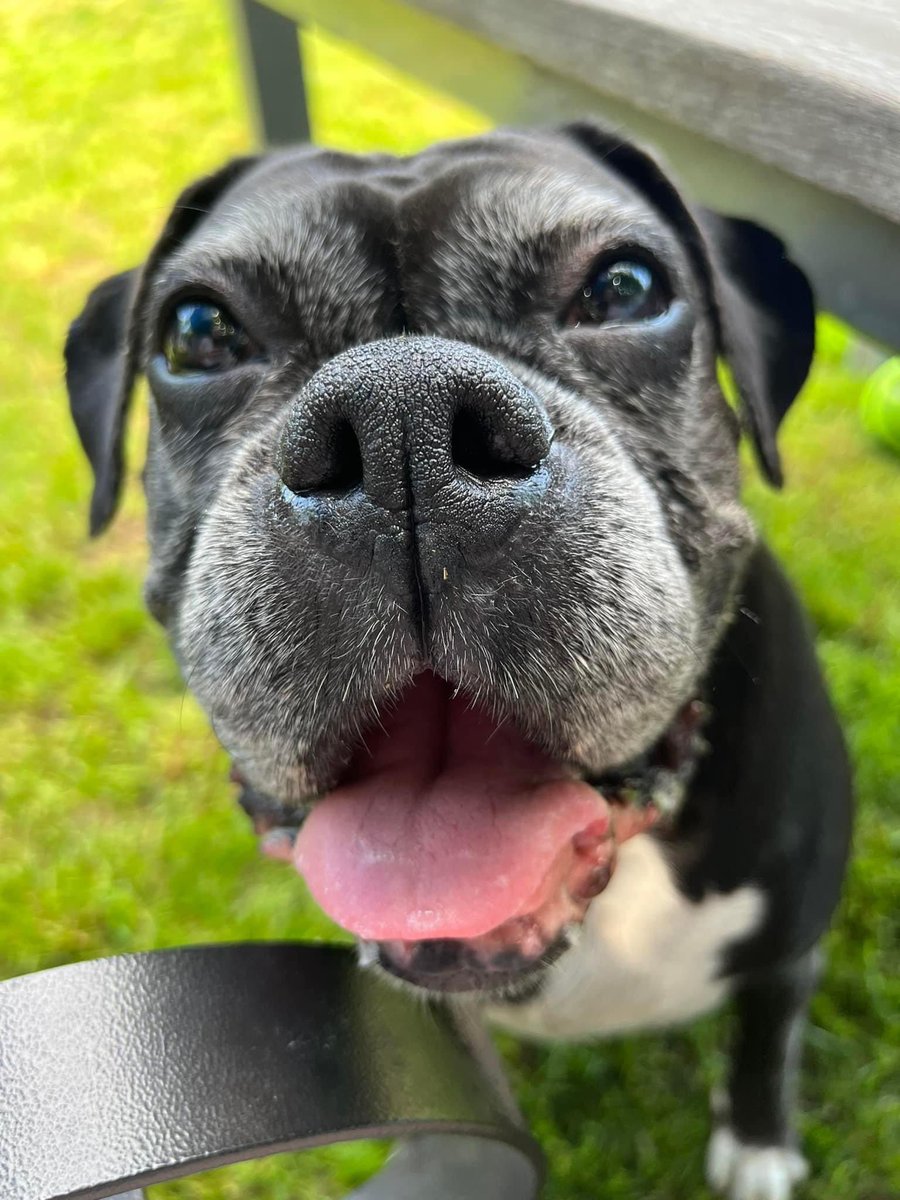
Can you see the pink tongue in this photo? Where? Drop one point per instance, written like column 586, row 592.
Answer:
column 447, row 827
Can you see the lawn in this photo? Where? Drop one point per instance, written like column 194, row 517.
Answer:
column 118, row 828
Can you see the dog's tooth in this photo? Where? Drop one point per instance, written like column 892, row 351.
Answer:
column 572, row 933
column 367, row 953
column 667, row 792
column 588, row 842
column 279, row 842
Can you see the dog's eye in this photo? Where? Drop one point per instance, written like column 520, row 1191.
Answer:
column 621, row 292
column 203, row 336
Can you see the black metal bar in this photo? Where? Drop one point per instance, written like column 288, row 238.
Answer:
column 273, row 73
column 130, row 1071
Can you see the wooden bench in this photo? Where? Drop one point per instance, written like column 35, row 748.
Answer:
column 788, row 113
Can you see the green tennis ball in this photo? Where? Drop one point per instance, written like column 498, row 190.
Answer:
column 879, row 408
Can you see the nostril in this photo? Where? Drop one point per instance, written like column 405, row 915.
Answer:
column 343, row 467
column 482, row 449
column 331, row 464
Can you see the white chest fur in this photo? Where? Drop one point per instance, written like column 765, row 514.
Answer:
column 646, row 956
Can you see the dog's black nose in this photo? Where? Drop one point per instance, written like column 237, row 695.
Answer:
column 415, row 459
column 401, row 420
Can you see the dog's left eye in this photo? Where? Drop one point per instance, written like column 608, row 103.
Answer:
column 203, row 336
column 622, row 292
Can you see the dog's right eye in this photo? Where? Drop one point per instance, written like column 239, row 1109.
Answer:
column 621, row 291
column 203, row 336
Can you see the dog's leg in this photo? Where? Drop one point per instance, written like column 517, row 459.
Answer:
column 752, row 1153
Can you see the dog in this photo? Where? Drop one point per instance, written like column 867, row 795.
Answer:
column 446, row 533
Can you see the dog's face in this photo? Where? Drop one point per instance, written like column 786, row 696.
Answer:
column 443, row 508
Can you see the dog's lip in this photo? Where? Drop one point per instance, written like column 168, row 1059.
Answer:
column 453, row 968
column 657, row 777
column 450, row 822
column 531, row 894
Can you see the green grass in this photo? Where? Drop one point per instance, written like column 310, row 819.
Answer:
column 118, row 830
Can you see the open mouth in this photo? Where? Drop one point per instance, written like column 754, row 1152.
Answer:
column 460, row 853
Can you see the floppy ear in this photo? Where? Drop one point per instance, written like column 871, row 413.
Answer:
column 103, row 347
column 767, row 320
column 99, row 387
column 761, row 303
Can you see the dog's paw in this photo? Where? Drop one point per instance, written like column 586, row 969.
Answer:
column 742, row 1171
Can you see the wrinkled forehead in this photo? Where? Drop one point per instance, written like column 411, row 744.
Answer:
column 533, row 189
column 501, row 191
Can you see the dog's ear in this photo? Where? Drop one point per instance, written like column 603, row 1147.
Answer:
column 767, row 320
column 103, row 347
column 761, row 302
column 99, row 387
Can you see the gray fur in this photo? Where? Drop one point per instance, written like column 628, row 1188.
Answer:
column 595, row 618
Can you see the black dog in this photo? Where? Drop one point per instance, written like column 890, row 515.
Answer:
column 445, row 525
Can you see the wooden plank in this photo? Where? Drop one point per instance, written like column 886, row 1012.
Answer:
column 851, row 253
column 811, row 86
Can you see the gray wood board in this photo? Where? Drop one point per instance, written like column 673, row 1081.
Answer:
column 851, row 253
column 811, row 86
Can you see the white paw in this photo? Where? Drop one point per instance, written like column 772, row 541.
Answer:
column 745, row 1172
